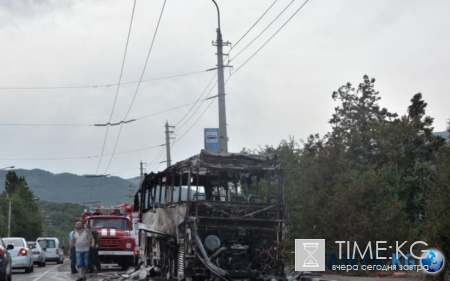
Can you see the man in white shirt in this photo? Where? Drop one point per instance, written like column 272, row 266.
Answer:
column 83, row 240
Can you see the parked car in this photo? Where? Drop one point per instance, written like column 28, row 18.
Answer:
column 5, row 261
column 21, row 255
column 39, row 254
column 53, row 248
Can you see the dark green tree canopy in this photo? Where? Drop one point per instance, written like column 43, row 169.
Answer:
column 372, row 173
column 26, row 219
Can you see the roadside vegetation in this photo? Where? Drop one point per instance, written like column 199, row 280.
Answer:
column 376, row 176
column 32, row 218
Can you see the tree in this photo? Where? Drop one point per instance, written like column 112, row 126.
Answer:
column 357, row 120
column 408, row 146
column 26, row 220
column 372, row 172
column 437, row 205
column 11, row 182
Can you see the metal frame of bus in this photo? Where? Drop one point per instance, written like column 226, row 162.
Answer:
column 203, row 219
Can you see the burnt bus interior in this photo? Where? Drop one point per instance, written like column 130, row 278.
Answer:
column 223, row 217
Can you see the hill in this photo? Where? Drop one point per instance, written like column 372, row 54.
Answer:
column 445, row 135
column 73, row 188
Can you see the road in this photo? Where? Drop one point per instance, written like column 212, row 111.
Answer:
column 61, row 272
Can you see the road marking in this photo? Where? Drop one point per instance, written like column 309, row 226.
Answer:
column 42, row 275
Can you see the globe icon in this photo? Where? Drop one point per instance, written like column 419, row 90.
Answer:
column 433, row 260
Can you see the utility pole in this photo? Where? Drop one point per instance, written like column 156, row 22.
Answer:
column 169, row 161
column 9, row 218
column 141, row 188
column 223, row 140
column 130, row 195
column 141, row 176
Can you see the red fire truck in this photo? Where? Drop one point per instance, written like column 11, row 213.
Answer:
column 115, row 228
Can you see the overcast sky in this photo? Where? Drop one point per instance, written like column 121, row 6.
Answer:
column 285, row 90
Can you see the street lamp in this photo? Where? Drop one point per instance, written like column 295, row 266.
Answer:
column 96, row 176
column 10, row 167
column 223, row 140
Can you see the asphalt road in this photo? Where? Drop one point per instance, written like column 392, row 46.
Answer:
column 61, row 272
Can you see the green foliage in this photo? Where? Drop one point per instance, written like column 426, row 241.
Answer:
column 31, row 218
column 438, row 207
column 26, row 220
column 375, row 176
column 11, row 182
column 3, row 226
column 59, row 219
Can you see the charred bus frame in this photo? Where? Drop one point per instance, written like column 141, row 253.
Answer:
column 215, row 216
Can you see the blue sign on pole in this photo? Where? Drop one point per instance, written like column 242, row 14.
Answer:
column 212, row 139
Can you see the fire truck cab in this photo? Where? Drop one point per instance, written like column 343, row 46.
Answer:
column 115, row 228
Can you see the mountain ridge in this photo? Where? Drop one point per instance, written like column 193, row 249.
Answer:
column 72, row 188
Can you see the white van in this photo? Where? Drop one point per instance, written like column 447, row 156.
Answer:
column 53, row 248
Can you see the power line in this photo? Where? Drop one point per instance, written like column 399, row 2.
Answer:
column 204, row 91
column 167, row 110
column 158, row 156
column 192, row 115
column 101, row 125
column 245, row 34
column 159, row 164
column 47, row 124
column 110, row 183
column 123, row 171
column 262, row 31
column 137, row 88
column 118, row 86
column 115, row 98
column 80, row 157
column 102, row 85
column 270, row 37
column 178, row 139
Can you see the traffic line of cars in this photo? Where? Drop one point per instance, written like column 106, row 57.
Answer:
column 17, row 253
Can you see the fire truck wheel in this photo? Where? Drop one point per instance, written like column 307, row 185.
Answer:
column 124, row 266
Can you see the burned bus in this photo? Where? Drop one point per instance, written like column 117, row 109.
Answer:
column 214, row 216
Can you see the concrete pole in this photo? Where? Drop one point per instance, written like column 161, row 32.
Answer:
column 130, row 195
column 169, row 160
column 223, row 140
column 141, row 188
column 141, row 176
column 9, row 218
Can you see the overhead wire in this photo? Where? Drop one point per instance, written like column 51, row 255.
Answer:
column 102, row 85
column 115, row 98
column 137, row 89
column 264, row 30
column 201, row 115
column 198, row 107
column 78, row 157
column 239, row 40
column 204, row 111
column 204, row 91
column 156, row 159
column 47, row 124
column 118, row 85
column 167, row 110
column 245, row 34
column 100, row 125
column 254, row 54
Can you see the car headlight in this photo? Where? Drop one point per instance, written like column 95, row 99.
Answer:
column 128, row 245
